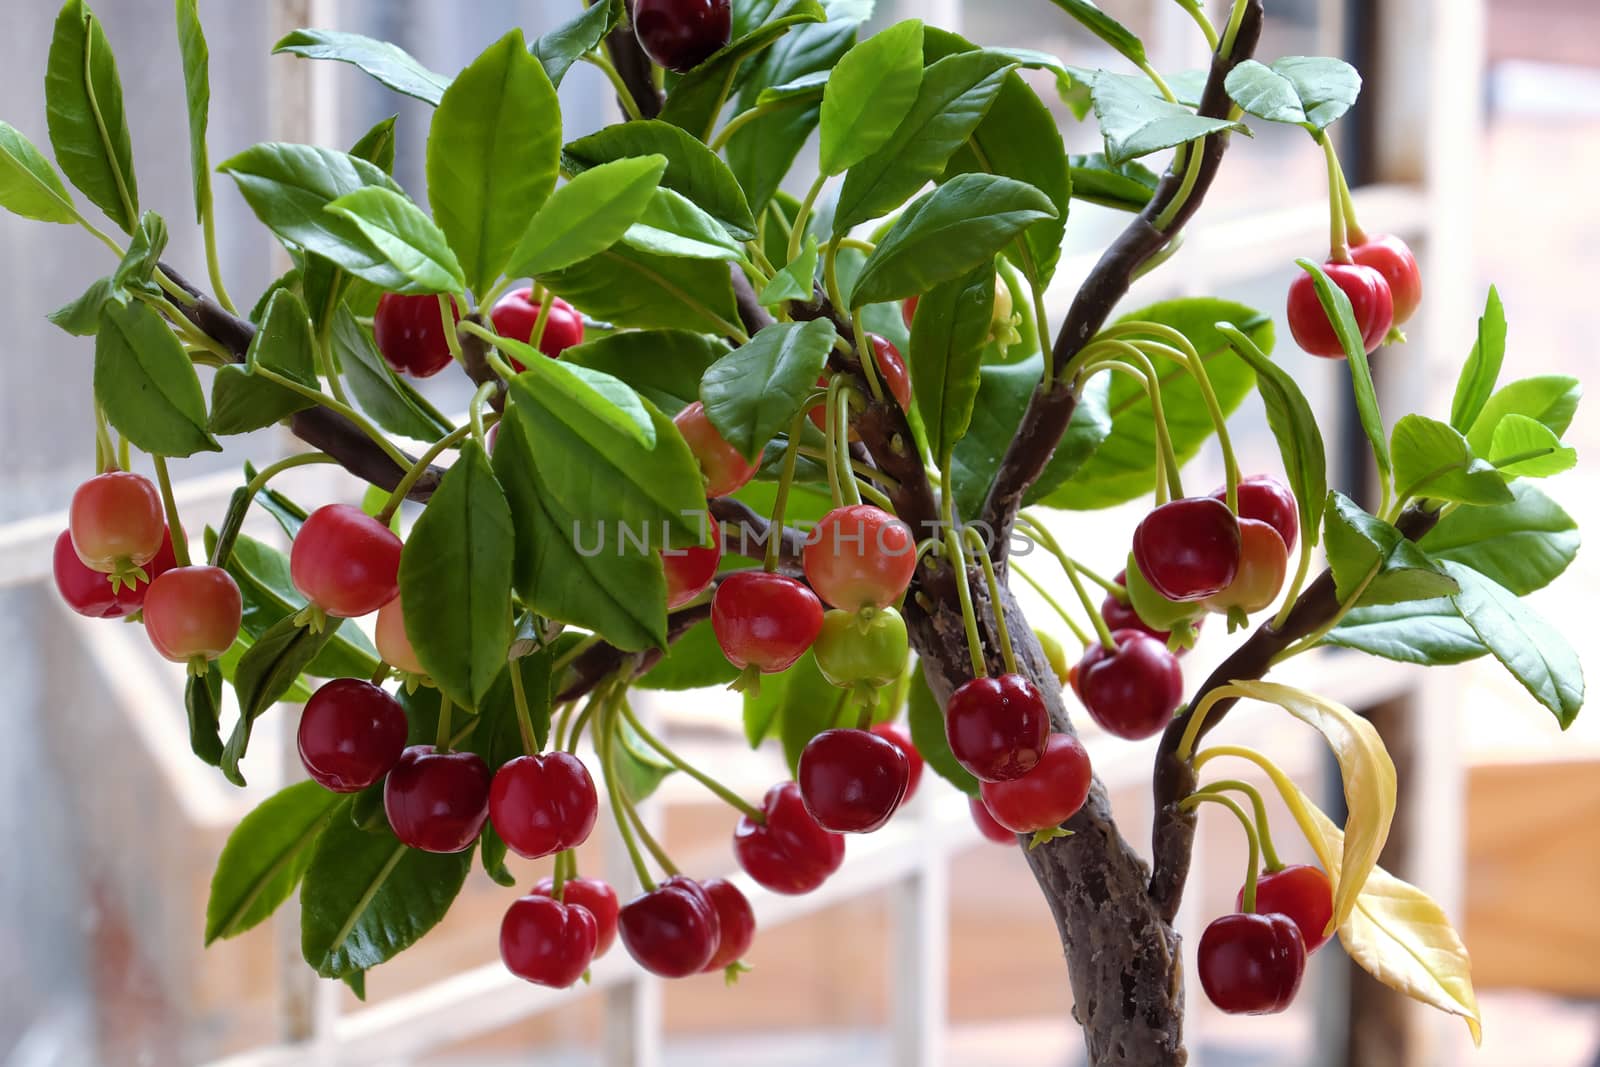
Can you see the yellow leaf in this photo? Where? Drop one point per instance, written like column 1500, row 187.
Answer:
column 1369, row 783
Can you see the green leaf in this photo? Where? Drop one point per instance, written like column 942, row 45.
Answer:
column 672, row 225
column 627, row 287
column 695, row 661
column 692, row 168
column 228, row 669
column 492, row 849
column 197, row 96
column 1551, row 399
column 926, row 719
column 29, row 185
column 640, row 770
column 1087, row 430
column 493, row 152
column 1135, row 123
column 1526, row 448
column 264, row 674
column 1523, row 545
column 1482, row 368
column 1106, row 28
column 1294, row 424
column 240, row 400
column 139, row 263
column 288, row 185
column 1536, row 653
column 455, row 579
column 560, row 571
column 1336, row 305
column 753, row 392
column 387, row 63
column 1429, row 633
column 587, row 215
column 202, row 700
column 563, row 46
column 366, row 897
column 146, row 384
column 83, row 109
column 81, row 317
column 697, row 98
column 796, row 281
column 947, row 341
column 376, row 146
column 955, row 95
column 1126, row 186
column 1433, row 460
column 1373, row 563
column 1313, row 92
column 663, row 366
column 947, row 233
column 265, row 857
column 1123, row 468
column 393, row 404
column 404, row 236
column 868, row 94
column 808, row 88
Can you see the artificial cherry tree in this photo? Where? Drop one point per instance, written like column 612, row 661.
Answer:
column 721, row 435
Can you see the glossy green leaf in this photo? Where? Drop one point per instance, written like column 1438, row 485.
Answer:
column 241, row 401
column 1524, row 545
column 587, row 215
column 692, row 168
column 1294, row 424
column 947, row 341
column 796, row 281
column 563, row 46
column 868, row 94
column 227, row 666
column 366, row 897
column 1482, row 368
column 926, row 719
column 807, row 88
column 146, row 384
column 388, row 63
column 753, row 392
column 947, row 233
column 1551, row 399
column 83, row 110
column 29, row 185
column 1134, row 123
column 1433, row 460
column 1336, row 305
column 393, row 404
column 405, row 237
column 1125, row 186
column 627, row 287
column 672, row 225
column 1428, row 633
column 762, row 152
column 663, row 366
column 264, row 674
column 493, row 152
column 1313, row 92
column 1526, row 448
column 455, row 580
column 955, row 95
column 695, row 661
column 1106, row 28
column 376, row 146
column 1536, row 653
column 265, row 857
column 197, row 96
column 202, row 702
column 492, row 850
column 81, row 317
column 1373, row 563
column 139, row 263
column 640, row 769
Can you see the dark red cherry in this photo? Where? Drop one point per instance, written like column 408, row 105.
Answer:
column 897, row 736
column 681, row 34
column 1301, row 892
column 788, row 852
column 1132, row 691
column 1265, row 499
column 852, row 780
column 997, row 727
column 1370, row 299
column 546, row 942
column 1251, row 964
column 673, row 930
column 1046, row 796
column 736, row 919
column 409, row 331
column 597, row 897
column 541, row 805
column 351, row 734
column 437, row 801
column 1188, row 549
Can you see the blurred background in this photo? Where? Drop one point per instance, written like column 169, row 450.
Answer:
column 1477, row 139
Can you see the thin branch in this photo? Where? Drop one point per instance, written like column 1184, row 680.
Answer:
column 744, row 532
column 602, row 660
column 634, row 67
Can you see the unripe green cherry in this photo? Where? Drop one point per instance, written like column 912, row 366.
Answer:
column 1055, row 654
column 868, row 647
column 1158, row 612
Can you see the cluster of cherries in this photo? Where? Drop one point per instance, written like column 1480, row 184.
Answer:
column 1383, row 283
column 1251, row 962
column 410, row 334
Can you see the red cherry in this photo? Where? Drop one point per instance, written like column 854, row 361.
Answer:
column 860, row 556
column 1133, row 691
column 690, row 570
column 725, row 470
column 351, row 733
column 1392, row 258
column 681, row 34
column 345, row 561
column 116, row 521
column 892, row 370
column 764, row 620
column 1302, row 893
column 908, row 309
column 673, row 930
column 437, row 801
column 595, row 896
column 852, row 780
column 1263, row 564
column 541, row 805
column 788, row 853
column 547, row 942
column 997, row 727
column 193, row 613
column 735, row 918
column 1046, row 796
column 1266, row 499
column 986, row 824
column 394, row 646
column 1369, row 298
column 1188, row 549
column 897, row 736
column 409, row 331
column 1251, row 964
column 514, row 316
column 89, row 592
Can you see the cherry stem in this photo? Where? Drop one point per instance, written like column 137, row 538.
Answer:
column 867, row 353
column 565, row 660
column 416, row 470
column 1007, row 655
column 727, row 795
column 1051, row 545
column 180, row 540
column 780, row 502
column 1269, row 855
column 1338, row 227
column 831, row 430
column 558, row 877
column 860, row 469
column 1353, row 229
column 797, row 230
column 475, row 412
column 1197, row 13
column 1194, row 800
column 841, row 444
column 738, row 122
column 441, row 742
column 540, row 321
column 1190, row 158
column 1299, row 807
column 1231, row 34
column 624, row 95
column 614, row 729
column 380, row 675
column 1077, row 631
column 1197, row 717
column 1186, row 356
column 958, row 559
column 496, row 342
column 1137, row 363
column 530, row 741
column 400, row 459
column 604, row 741
column 105, row 453
column 452, row 339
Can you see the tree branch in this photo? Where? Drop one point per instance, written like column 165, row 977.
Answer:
column 744, row 532
column 601, row 660
column 634, row 67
